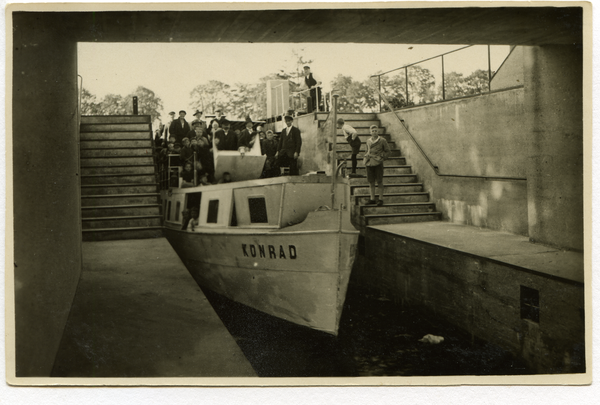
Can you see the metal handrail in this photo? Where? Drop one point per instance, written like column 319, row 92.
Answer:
column 435, row 168
column 441, row 56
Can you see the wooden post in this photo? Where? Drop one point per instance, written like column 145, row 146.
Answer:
column 333, row 149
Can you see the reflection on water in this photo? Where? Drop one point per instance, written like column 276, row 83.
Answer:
column 376, row 338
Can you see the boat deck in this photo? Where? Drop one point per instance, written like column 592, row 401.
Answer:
column 138, row 312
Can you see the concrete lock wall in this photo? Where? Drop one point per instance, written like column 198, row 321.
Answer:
column 483, row 297
column 47, row 234
column 554, row 100
column 481, row 136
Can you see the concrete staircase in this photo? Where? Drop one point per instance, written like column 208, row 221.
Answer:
column 119, row 189
column 404, row 197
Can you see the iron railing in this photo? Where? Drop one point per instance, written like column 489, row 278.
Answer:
column 431, row 80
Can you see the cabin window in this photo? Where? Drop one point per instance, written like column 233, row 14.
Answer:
column 169, row 212
column 530, row 304
column 233, row 221
column 177, row 209
column 258, row 210
column 213, row 212
column 193, row 200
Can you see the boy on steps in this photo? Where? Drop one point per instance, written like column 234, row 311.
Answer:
column 377, row 151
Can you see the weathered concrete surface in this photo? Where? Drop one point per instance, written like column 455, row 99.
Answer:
column 47, row 229
column 510, row 73
column 480, row 136
column 473, row 278
column 554, row 100
column 139, row 313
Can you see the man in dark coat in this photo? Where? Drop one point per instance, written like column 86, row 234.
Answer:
column 226, row 138
column 247, row 137
column 312, row 82
column 290, row 143
column 179, row 128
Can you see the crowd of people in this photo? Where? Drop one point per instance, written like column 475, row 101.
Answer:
column 189, row 147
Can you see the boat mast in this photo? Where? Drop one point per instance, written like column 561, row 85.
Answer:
column 333, row 149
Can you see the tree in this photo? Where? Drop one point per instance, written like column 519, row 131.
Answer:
column 89, row 103
column 211, row 96
column 113, row 104
column 456, row 85
column 148, row 103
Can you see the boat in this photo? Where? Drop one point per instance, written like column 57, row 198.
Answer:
column 283, row 245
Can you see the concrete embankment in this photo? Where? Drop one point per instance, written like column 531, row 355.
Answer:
column 137, row 312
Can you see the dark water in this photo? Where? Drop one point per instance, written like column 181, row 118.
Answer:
column 376, row 338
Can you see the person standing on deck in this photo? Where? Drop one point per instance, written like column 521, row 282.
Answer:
column 179, row 128
column 247, row 137
column 225, row 138
column 165, row 130
column 290, row 143
column 377, row 151
column 198, row 115
column 311, row 81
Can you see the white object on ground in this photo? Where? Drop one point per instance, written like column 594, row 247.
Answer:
column 432, row 339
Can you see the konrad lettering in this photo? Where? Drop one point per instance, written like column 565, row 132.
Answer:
column 270, row 251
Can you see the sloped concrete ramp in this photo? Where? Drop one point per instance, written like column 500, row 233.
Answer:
column 137, row 312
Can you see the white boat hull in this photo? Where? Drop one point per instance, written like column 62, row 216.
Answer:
column 297, row 275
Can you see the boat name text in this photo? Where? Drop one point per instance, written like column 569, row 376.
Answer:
column 269, row 250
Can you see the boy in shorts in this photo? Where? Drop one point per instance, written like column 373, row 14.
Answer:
column 377, row 151
column 352, row 138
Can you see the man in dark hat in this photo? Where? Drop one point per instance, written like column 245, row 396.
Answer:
column 225, row 137
column 290, row 143
column 312, row 82
column 198, row 115
column 247, row 137
column 180, row 127
column 219, row 116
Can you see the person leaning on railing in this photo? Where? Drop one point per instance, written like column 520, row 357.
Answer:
column 312, row 82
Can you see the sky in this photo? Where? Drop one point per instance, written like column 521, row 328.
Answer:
column 172, row 70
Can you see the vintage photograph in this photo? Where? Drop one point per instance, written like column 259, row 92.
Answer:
column 318, row 194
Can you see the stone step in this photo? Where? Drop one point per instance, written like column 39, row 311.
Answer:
column 388, row 179
column 110, row 189
column 394, row 198
column 341, row 139
column 119, row 199
column 387, row 169
column 112, row 143
column 354, row 123
column 395, row 161
column 109, row 119
column 345, row 147
column 108, row 152
column 117, row 178
column 348, row 116
column 108, row 211
column 402, row 218
column 91, row 136
column 116, row 161
column 120, row 127
column 363, row 189
column 396, row 208
column 129, row 169
column 121, row 222
column 122, row 233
